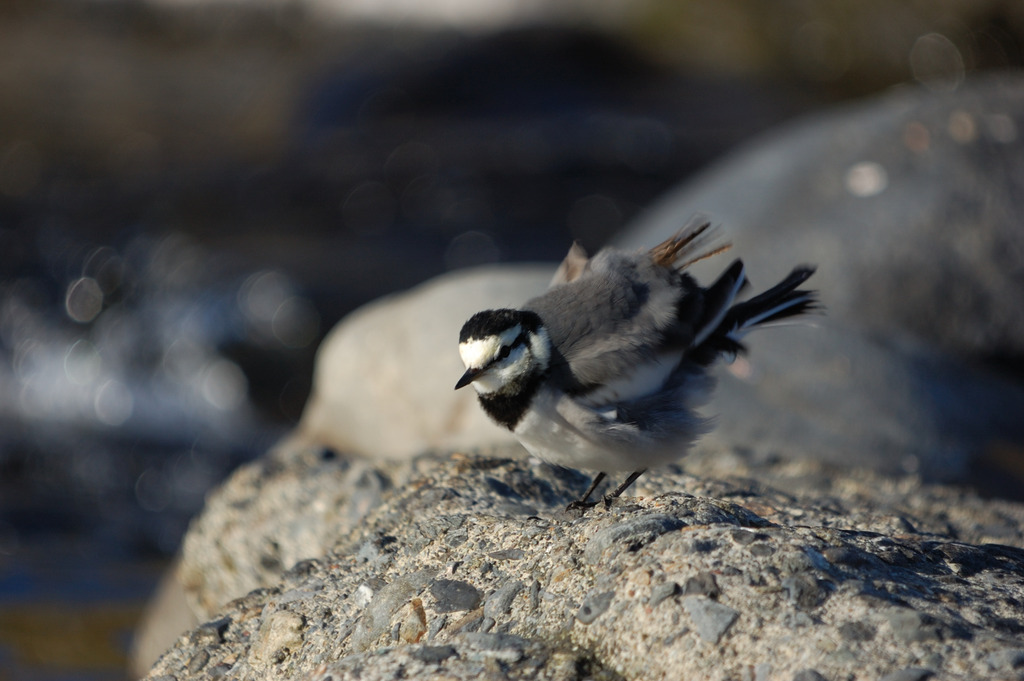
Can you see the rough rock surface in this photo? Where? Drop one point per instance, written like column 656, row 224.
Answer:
column 470, row 568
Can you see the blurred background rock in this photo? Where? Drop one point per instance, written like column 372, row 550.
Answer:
column 192, row 193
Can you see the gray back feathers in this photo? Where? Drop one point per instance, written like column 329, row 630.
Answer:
column 615, row 315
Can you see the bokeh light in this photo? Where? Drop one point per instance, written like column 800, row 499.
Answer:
column 84, row 299
column 866, row 178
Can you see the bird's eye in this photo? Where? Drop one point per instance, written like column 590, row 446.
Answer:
column 503, row 353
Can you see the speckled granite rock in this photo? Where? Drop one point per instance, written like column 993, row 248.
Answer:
column 470, row 568
column 275, row 512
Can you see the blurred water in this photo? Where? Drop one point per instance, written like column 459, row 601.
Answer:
column 120, row 407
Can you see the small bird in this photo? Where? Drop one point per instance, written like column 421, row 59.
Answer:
column 605, row 369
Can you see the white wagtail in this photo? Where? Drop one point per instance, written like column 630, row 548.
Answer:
column 604, row 370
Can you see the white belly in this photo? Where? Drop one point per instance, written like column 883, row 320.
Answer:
column 564, row 433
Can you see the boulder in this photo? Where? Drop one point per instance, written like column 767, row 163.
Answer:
column 470, row 567
column 909, row 205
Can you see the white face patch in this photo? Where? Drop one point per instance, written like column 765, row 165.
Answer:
column 482, row 353
column 477, row 353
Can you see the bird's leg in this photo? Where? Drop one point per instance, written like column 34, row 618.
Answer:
column 609, row 498
column 582, row 501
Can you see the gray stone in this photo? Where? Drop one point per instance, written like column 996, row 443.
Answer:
column 938, row 226
column 919, row 269
column 507, row 554
column 504, row 647
column 500, row 602
column 702, row 584
column 849, row 556
column 711, row 619
column 856, row 631
column 198, row 661
column 629, row 535
column 594, row 606
column 909, row 674
column 805, row 591
column 909, row 625
column 434, row 653
column 452, row 595
column 808, row 675
column 663, row 591
column 743, row 537
column 1007, row 659
column 376, row 619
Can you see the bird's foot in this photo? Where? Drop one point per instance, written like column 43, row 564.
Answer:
column 580, row 505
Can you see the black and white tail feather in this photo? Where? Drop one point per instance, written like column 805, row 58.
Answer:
column 736, row 319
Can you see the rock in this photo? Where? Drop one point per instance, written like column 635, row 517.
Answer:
column 663, row 591
column 467, row 657
column 279, row 634
column 711, row 619
column 500, row 602
column 702, row 584
column 909, row 204
column 856, row 631
column 376, row 620
column 805, row 591
column 909, row 625
column 845, row 591
column 594, row 606
column 629, row 536
column 434, row 654
column 808, row 675
column 909, row 674
column 1007, row 660
column 286, row 507
column 452, row 595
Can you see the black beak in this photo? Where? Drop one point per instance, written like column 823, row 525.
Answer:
column 467, row 378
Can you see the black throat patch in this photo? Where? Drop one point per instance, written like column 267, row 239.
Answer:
column 508, row 406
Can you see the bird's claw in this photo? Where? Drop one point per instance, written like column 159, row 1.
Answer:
column 580, row 505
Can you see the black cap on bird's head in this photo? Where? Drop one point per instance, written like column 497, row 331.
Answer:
column 489, row 336
column 494, row 322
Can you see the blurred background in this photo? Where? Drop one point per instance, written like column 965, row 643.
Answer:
column 192, row 192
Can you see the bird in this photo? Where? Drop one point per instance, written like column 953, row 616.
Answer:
column 606, row 370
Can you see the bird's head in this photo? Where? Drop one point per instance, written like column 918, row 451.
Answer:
column 502, row 348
